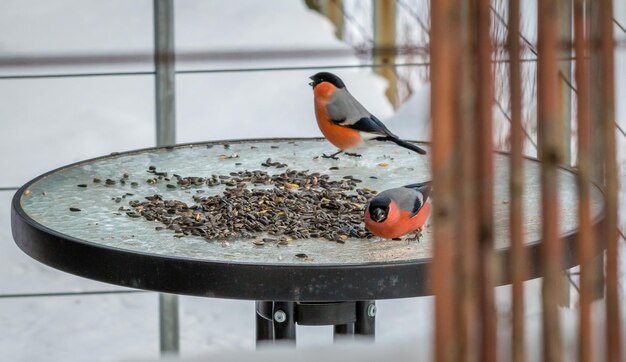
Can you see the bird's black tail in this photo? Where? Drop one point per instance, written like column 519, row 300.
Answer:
column 404, row 144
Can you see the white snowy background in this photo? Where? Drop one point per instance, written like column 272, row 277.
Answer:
column 48, row 123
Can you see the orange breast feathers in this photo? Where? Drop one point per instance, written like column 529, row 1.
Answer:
column 342, row 137
column 398, row 222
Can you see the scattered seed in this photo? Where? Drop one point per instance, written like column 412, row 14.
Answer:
column 383, row 164
column 82, row 185
column 301, row 255
column 74, row 209
column 290, row 205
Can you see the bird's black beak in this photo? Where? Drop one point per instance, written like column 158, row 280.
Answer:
column 312, row 84
column 378, row 214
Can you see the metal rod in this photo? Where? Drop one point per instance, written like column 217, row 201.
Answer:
column 365, row 324
column 444, row 33
column 165, row 135
column 165, row 72
column 516, row 185
column 343, row 332
column 613, row 320
column 284, row 321
column 551, row 155
column 264, row 327
column 245, row 70
column 585, row 241
column 168, row 324
column 70, row 294
column 506, row 115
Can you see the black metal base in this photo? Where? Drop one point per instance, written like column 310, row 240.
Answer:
column 276, row 321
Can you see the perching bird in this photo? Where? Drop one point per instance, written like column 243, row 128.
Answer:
column 397, row 212
column 343, row 120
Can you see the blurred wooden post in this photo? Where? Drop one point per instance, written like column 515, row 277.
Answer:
column 565, row 70
column 607, row 119
column 551, row 155
column 565, row 101
column 443, row 50
column 484, row 152
column 586, row 239
column 467, row 129
column 385, row 42
column 516, row 185
column 333, row 9
column 597, row 147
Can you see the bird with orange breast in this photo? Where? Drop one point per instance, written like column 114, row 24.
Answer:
column 344, row 121
column 400, row 211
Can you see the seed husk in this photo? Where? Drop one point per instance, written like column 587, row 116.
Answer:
column 290, row 205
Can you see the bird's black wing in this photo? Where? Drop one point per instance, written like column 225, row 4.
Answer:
column 371, row 124
column 424, row 188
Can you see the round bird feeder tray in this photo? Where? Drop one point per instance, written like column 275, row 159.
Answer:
column 99, row 242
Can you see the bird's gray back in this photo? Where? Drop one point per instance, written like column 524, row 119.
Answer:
column 404, row 197
column 343, row 106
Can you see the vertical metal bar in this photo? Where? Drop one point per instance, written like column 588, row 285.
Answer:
column 333, row 9
column 284, row 321
column 484, row 153
column 165, row 135
column 585, row 241
column 343, row 332
column 613, row 319
column 165, row 89
column 551, row 155
column 516, row 184
column 385, row 39
column 365, row 324
column 443, row 46
column 264, row 327
column 168, row 323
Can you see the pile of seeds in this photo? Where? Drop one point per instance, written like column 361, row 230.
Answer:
column 289, row 205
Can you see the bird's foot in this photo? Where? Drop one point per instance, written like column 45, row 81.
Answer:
column 333, row 157
column 417, row 235
column 351, row 154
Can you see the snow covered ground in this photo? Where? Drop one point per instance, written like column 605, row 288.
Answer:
column 50, row 123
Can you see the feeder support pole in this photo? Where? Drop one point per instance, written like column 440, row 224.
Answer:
column 165, row 103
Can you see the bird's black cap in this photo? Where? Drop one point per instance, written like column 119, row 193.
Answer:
column 326, row 77
column 379, row 208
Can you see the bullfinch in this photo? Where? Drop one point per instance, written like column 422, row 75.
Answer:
column 397, row 212
column 344, row 121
